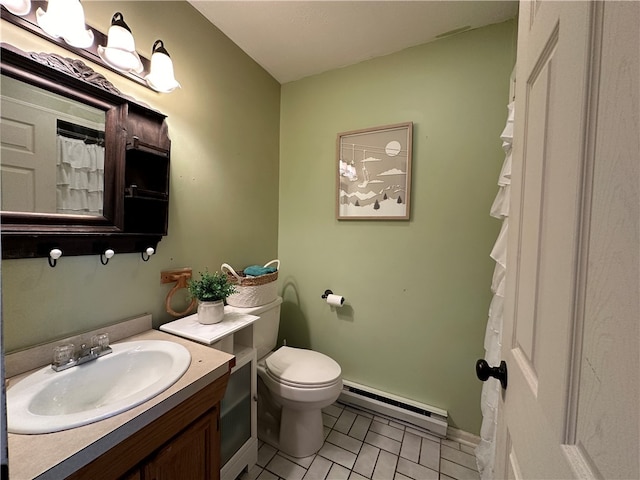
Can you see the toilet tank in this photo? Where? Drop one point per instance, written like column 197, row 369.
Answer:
column 265, row 329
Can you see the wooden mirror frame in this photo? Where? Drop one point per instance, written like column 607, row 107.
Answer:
column 28, row 235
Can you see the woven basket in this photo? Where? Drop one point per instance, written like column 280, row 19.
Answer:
column 252, row 291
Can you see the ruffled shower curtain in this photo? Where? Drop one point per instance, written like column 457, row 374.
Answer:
column 486, row 449
column 79, row 177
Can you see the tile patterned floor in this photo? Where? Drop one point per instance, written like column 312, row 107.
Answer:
column 360, row 446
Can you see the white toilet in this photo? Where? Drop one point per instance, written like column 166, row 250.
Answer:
column 294, row 384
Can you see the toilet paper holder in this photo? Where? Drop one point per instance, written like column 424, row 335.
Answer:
column 334, row 300
column 326, row 294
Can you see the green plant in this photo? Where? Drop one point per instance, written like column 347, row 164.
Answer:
column 211, row 287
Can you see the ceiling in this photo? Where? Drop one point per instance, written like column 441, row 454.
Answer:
column 296, row 39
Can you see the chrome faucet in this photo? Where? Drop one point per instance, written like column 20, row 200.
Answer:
column 65, row 356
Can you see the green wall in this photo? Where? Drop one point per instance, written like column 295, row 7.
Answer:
column 417, row 291
column 253, row 177
column 224, row 127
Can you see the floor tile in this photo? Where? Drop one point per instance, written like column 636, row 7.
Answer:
column 303, row 462
column 397, row 425
column 382, row 442
column 359, row 412
column 385, row 466
column 399, row 476
column 338, row 472
column 413, row 470
column 430, row 454
column 459, row 457
column 458, row 472
column 344, row 441
column 338, row 455
column 265, row 454
column 423, row 434
column 410, row 448
column 360, row 427
column 356, row 476
column 285, row 468
column 335, row 410
column 267, row 475
column 345, row 421
column 319, row 469
column 386, row 430
column 366, row 461
column 328, row 420
column 362, row 446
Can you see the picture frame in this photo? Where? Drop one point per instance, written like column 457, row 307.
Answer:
column 374, row 173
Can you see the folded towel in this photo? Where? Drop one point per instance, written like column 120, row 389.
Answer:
column 257, row 270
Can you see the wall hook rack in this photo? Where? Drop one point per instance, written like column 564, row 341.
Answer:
column 104, row 257
column 54, row 255
column 148, row 252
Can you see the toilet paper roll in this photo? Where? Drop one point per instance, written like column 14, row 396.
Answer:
column 335, row 300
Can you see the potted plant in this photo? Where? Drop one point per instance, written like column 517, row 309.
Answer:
column 211, row 291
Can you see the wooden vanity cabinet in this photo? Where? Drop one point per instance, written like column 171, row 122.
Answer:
column 182, row 444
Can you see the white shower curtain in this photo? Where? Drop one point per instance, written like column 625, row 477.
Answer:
column 79, row 177
column 486, row 449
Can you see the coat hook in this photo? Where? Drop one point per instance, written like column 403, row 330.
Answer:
column 54, row 255
column 149, row 251
column 104, row 257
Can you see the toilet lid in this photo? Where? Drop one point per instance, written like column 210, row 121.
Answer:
column 300, row 367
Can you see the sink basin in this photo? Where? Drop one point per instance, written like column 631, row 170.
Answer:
column 47, row 401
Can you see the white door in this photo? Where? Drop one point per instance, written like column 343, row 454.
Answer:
column 572, row 312
column 28, row 153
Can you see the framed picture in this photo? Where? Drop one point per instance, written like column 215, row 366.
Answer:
column 374, row 173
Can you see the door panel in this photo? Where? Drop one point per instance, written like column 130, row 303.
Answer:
column 571, row 332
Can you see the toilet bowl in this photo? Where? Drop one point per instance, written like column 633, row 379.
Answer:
column 301, row 382
column 294, row 385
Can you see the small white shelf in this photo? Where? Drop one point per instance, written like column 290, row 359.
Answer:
column 189, row 327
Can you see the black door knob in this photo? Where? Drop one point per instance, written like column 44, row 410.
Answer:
column 484, row 371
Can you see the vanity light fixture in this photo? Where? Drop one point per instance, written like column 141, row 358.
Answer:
column 54, row 255
column 17, row 7
column 65, row 19
column 161, row 77
column 104, row 257
column 149, row 251
column 120, row 51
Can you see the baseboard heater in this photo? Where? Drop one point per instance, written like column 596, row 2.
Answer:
column 405, row 411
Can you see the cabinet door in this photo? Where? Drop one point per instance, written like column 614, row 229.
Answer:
column 235, row 413
column 192, row 455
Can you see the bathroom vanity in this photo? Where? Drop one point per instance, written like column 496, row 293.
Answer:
column 238, row 409
column 174, row 435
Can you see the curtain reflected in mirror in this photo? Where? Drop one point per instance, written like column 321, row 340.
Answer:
column 53, row 152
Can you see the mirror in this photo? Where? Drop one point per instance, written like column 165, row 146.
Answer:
column 52, row 151
column 76, row 201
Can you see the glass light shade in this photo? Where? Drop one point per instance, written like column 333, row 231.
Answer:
column 120, row 51
column 161, row 77
column 65, row 19
column 17, row 7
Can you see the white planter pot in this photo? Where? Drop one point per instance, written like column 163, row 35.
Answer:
column 210, row 312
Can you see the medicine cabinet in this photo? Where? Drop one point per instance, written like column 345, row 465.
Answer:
column 64, row 101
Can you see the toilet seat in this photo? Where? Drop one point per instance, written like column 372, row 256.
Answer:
column 301, row 368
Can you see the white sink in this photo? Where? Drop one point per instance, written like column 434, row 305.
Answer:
column 47, row 401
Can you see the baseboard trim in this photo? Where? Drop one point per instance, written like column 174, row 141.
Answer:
column 463, row 437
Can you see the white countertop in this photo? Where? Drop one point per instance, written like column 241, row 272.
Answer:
column 57, row 455
column 189, row 327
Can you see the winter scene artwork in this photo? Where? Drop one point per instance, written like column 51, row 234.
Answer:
column 374, row 173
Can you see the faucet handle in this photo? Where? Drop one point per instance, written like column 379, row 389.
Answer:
column 100, row 340
column 63, row 354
